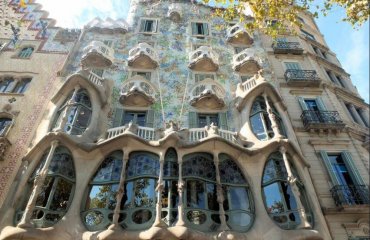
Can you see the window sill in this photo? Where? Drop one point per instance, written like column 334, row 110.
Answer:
column 11, row 94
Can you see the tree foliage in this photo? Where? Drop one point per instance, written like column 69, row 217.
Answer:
column 273, row 16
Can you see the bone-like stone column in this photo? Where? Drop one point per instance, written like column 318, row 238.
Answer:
column 159, row 189
column 180, row 189
column 272, row 117
column 292, row 182
column 37, row 187
column 64, row 116
column 121, row 189
column 220, row 195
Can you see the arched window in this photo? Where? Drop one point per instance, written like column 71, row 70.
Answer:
column 238, row 203
column 170, row 196
column 139, row 198
column 26, row 52
column 278, row 196
column 101, row 197
column 75, row 113
column 260, row 121
column 201, row 208
column 4, row 125
column 56, row 195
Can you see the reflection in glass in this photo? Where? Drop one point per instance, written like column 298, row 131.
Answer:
column 195, row 194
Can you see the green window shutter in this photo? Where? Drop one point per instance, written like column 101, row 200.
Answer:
column 142, row 25
column 150, row 118
column 355, row 175
column 193, row 123
column 223, row 120
column 205, row 29
column 118, row 117
column 329, row 167
column 293, row 65
column 320, row 104
column 155, row 25
column 194, row 29
column 302, row 103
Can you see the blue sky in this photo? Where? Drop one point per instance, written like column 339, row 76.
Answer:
column 351, row 46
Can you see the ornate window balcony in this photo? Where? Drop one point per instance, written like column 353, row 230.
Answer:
column 204, row 59
column 146, row 133
column 143, row 56
column 287, row 47
column 321, row 120
column 197, row 134
column 237, row 34
column 302, row 78
column 137, row 92
column 346, row 196
column 207, row 94
column 243, row 89
column 97, row 55
column 247, row 62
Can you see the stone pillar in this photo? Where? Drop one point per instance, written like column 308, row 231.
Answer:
column 272, row 117
column 292, row 182
column 220, row 195
column 64, row 114
column 180, row 189
column 121, row 189
column 159, row 189
column 37, row 187
column 355, row 115
column 365, row 116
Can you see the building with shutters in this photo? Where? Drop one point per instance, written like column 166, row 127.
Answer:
column 163, row 126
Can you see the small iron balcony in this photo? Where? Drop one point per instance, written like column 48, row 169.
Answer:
column 287, row 47
column 345, row 195
column 321, row 120
column 302, row 78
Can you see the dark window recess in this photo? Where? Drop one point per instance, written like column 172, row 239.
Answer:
column 138, row 118
column 207, row 119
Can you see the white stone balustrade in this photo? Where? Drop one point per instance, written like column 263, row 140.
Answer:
column 146, row 133
column 143, row 49
column 242, row 89
column 97, row 54
column 97, row 80
column 203, row 52
column 196, row 134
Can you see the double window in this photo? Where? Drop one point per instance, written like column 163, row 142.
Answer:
column 141, row 118
column 26, row 52
column 148, row 25
column 200, row 120
column 11, row 85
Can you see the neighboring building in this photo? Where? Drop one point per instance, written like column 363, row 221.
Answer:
column 165, row 127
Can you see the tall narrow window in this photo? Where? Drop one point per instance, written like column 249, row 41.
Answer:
column 57, row 192
column 6, row 84
column 199, row 29
column 100, row 201
column 278, row 195
column 4, row 125
column 75, row 113
column 22, row 85
column 260, row 121
column 26, row 52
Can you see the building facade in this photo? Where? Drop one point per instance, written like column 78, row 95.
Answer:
column 165, row 126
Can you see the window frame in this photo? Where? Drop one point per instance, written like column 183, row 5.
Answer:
column 154, row 27
column 195, row 23
column 25, row 53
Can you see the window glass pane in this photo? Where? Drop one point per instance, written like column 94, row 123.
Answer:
column 202, row 121
column 110, row 169
column 200, row 166
column 61, row 195
column 128, row 117
column 174, row 195
column 230, row 172
column 141, row 119
column 102, row 196
column 288, row 195
column 43, row 197
column 238, row 198
column 311, row 104
column 257, row 126
column 127, row 195
column 4, row 123
column 273, row 198
column 142, row 164
column 195, row 194
column 212, row 197
column 144, row 193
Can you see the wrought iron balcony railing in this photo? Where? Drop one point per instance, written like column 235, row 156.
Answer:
column 345, row 195
column 287, row 47
column 321, row 119
column 301, row 75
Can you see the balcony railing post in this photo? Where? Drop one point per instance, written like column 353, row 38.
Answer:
column 349, row 195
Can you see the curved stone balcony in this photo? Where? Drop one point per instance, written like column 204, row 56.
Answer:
column 204, row 59
column 137, row 92
column 143, row 56
column 174, row 12
column 97, row 55
column 237, row 34
column 247, row 62
column 207, row 94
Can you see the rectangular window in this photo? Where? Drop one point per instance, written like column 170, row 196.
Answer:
column 199, row 29
column 201, row 77
column 340, row 169
column 138, row 118
column 292, row 66
column 148, row 25
column 245, row 78
column 146, row 75
column 207, row 119
column 22, row 86
column 308, row 35
column 311, row 104
column 5, row 85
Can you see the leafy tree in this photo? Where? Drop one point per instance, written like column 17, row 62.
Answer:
column 272, row 16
